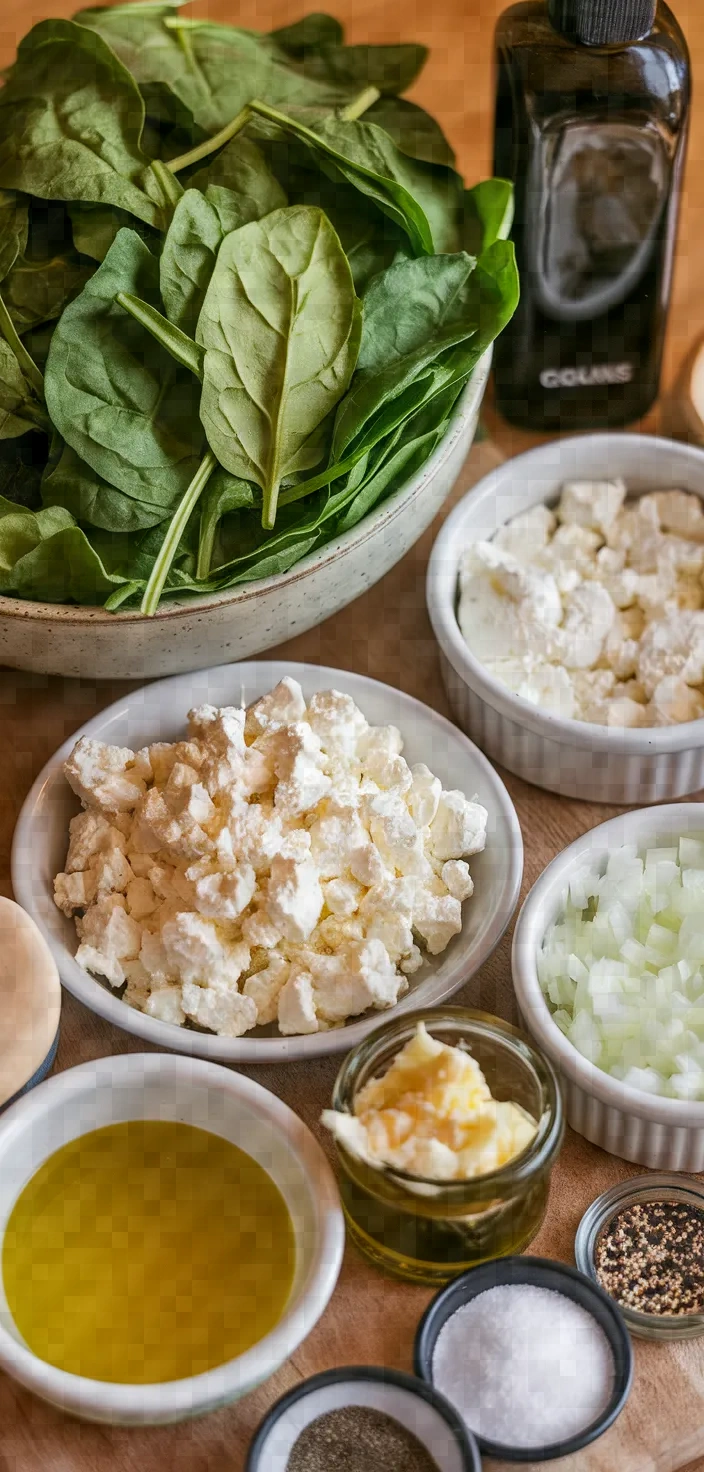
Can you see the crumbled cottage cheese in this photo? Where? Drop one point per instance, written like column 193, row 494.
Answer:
column 594, row 611
column 283, row 864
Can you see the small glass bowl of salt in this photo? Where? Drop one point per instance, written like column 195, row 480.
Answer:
column 535, row 1357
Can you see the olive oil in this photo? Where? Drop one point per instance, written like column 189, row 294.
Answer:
column 592, row 113
column 147, row 1251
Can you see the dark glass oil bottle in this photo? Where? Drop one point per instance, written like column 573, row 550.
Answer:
column 591, row 126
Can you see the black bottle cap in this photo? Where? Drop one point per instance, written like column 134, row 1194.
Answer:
column 603, row 22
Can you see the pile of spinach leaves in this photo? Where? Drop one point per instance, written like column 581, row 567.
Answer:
column 242, row 287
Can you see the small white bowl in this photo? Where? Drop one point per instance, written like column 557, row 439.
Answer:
column 665, row 1134
column 158, row 713
column 70, row 639
column 158, row 1086
column 574, row 758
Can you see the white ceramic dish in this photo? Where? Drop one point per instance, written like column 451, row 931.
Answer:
column 63, row 639
column 573, row 758
column 665, row 1134
column 158, row 713
column 154, row 1086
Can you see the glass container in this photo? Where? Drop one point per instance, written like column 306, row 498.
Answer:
column 639, row 1190
column 427, row 1231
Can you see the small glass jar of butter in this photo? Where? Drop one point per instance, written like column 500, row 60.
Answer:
column 466, row 1100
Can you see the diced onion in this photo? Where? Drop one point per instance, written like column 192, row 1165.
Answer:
column 623, row 968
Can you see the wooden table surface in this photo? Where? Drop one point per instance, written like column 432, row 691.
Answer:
column 385, row 634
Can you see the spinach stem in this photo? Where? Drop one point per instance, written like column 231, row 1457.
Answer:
column 120, row 596
column 177, row 343
column 211, row 145
column 177, row 526
column 27, row 364
column 169, row 185
column 359, row 105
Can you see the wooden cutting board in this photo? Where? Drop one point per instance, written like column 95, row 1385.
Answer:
column 371, row 1319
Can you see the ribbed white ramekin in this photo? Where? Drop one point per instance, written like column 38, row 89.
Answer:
column 665, row 1134
column 577, row 759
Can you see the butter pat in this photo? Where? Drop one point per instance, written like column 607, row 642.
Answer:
column 432, row 1114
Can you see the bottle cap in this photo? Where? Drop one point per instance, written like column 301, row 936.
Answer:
column 603, row 22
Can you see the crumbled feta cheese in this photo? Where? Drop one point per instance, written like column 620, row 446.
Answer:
column 296, row 1010
column 222, row 1009
column 74, row 891
column 165, row 1004
column 612, row 588
column 265, row 987
column 436, row 918
column 294, row 897
column 457, row 879
column 593, row 504
column 100, row 775
column 279, row 866
column 458, row 829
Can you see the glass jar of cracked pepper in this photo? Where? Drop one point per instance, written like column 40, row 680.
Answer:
column 643, row 1243
column 427, row 1230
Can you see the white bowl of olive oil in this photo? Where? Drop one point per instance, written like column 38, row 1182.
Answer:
column 170, row 1232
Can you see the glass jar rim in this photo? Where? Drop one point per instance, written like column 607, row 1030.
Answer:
column 545, row 1143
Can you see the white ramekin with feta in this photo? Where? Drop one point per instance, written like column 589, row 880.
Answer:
column 584, row 610
column 282, row 864
column 594, row 610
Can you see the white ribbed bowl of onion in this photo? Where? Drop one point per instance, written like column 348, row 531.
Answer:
column 593, row 957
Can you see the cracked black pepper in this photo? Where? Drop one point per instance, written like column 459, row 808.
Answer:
column 650, row 1257
column 357, row 1439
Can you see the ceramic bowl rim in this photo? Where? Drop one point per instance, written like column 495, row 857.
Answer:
column 74, row 614
column 148, row 1404
column 441, row 597
column 529, row 933
column 256, row 1050
column 466, row 1440
column 517, row 1268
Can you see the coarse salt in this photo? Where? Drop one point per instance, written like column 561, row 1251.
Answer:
column 525, row 1366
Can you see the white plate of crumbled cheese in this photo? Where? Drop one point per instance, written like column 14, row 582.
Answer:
column 257, row 862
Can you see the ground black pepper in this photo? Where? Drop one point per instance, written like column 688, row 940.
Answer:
column 650, row 1257
column 358, row 1439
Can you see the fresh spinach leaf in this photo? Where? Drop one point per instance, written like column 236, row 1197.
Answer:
column 408, row 361
column 95, row 226
column 310, row 34
column 14, row 224
column 62, row 568
column 194, row 237
column 487, row 214
column 390, row 69
column 22, row 463
column 241, row 167
column 37, row 291
column 225, row 494
column 91, row 500
column 280, row 326
column 413, row 130
column 19, row 410
column 367, row 159
column 213, row 69
column 117, row 397
column 71, row 119
column 169, row 127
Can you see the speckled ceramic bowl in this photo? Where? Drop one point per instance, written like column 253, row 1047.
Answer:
column 63, row 639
